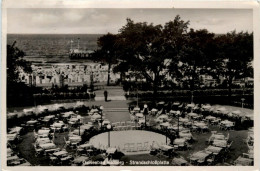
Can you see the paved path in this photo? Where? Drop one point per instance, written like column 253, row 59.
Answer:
column 116, row 108
column 114, row 93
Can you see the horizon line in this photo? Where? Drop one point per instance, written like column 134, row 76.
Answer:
column 56, row 33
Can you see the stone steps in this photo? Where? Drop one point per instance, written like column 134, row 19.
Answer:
column 101, row 98
column 116, row 110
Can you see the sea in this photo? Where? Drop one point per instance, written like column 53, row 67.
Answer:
column 46, row 49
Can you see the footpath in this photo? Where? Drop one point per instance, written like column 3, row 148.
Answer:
column 116, row 108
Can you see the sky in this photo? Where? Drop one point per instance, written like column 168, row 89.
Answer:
column 102, row 21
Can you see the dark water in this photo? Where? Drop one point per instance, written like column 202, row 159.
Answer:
column 52, row 48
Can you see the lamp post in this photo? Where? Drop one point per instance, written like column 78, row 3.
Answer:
column 166, row 134
column 145, row 113
column 109, row 65
column 242, row 99
column 109, row 128
column 192, row 96
column 79, row 129
column 101, row 108
column 137, row 96
column 178, row 115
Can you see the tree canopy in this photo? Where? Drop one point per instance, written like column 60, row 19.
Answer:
column 195, row 57
column 107, row 51
column 235, row 56
column 155, row 52
column 147, row 49
column 15, row 62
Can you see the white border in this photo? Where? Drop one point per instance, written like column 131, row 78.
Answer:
column 134, row 4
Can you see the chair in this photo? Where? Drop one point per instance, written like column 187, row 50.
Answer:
column 117, row 124
column 119, row 128
column 229, row 145
column 210, row 162
column 113, row 124
column 126, row 147
column 67, row 142
column 115, row 128
column 132, row 147
column 139, row 147
column 128, row 123
column 146, row 146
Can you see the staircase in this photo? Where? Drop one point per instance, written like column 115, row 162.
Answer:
column 116, row 110
column 114, row 93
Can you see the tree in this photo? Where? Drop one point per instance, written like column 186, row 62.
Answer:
column 195, row 57
column 147, row 50
column 235, row 54
column 15, row 62
column 17, row 92
column 107, row 51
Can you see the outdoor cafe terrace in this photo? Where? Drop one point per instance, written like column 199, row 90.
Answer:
column 63, row 134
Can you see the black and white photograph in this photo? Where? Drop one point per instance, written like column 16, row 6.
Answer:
column 129, row 87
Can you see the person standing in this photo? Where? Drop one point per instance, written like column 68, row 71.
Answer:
column 145, row 112
column 105, row 95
